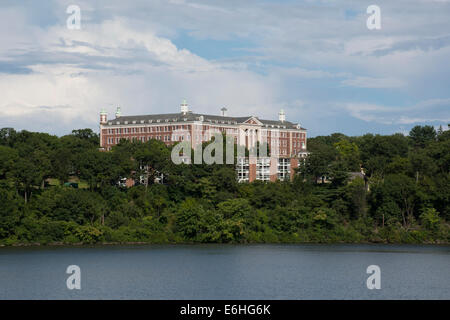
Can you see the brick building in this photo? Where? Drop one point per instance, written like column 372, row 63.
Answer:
column 286, row 140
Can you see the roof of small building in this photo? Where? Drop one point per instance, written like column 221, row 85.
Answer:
column 356, row 174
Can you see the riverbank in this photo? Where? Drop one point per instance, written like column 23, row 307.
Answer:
column 140, row 243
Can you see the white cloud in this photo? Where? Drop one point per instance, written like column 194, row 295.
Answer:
column 305, row 55
column 115, row 65
column 436, row 110
column 368, row 82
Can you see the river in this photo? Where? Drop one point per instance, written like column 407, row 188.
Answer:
column 226, row 272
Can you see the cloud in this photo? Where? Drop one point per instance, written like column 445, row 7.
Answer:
column 111, row 63
column 305, row 56
column 436, row 110
column 368, row 82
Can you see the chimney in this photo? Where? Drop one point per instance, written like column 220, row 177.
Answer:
column 118, row 112
column 282, row 116
column 224, row 112
column 184, row 107
column 103, row 116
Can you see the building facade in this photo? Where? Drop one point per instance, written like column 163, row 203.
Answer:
column 286, row 140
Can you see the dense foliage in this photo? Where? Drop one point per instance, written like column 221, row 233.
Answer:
column 404, row 198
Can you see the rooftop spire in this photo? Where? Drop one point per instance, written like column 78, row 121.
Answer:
column 282, row 116
column 184, row 107
column 118, row 112
column 224, row 111
column 103, row 116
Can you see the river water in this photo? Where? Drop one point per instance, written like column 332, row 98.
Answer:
column 226, row 272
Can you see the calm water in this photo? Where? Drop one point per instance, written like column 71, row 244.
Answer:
column 226, row 272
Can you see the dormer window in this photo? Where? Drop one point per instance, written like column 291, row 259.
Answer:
column 167, row 120
column 134, row 121
column 117, row 122
column 150, row 121
column 109, row 123
column 126, row 122
column 158, row 120
column 142, row 121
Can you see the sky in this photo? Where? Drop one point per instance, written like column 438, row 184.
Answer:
column 316, row 59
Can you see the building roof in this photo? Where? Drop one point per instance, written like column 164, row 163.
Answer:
column 177, row 117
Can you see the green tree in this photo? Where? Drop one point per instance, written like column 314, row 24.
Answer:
column 422, row 135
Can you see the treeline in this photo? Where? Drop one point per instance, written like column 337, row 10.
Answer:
column 403, row 198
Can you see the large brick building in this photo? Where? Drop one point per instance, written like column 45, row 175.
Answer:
column 286, row 140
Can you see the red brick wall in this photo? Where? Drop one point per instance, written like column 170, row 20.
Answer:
column 251, row 172
column 294, row 165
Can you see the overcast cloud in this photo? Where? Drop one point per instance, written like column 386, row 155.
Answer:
column 316, row 59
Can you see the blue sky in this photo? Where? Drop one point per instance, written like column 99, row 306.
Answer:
column 315, row 59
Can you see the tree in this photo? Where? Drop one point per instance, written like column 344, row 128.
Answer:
column 61, row 164
column 30, row 171
column 317, row 163
column 8, row 156
column 422, row 135
column 87, row 135
column 10, row 212
column 7, row 136
column 194, row 223
column 377, row 151
column 430, row 219
column 348, row 152
column 356, row 193
column 402, row 189
column 153, row 158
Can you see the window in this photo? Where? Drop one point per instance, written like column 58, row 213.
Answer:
column 283, row 168
column 242, row 170
column 263, row 169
